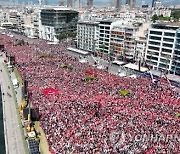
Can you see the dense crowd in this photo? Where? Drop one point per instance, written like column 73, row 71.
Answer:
column 92, row 117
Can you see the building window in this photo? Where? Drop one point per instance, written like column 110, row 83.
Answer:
column 152, row 58
column 164, row 61
column 163, row 65
column 154, row 53
column 155, row 38
column 168, row 40
column 155, row 32
column 153, row 48
column 154, row 43
column 166, row 50
column 167, row 45
column 169, row 34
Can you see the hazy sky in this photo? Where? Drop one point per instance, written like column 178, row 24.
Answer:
column 102, row 2
column 105, row 2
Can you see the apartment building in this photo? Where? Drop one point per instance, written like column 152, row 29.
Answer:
column 4, row 16
column 128, row 39
column 117, row 41
column 89, row 3
column 87, row 35
column 105, row 27
column 112, row 38
column 94, row 36
column 162, row 50
column 140, row 48
column 141, row 42
column 175, row 68
column 31, row 25
column 54, row 22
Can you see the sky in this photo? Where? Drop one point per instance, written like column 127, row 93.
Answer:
column 106, row 2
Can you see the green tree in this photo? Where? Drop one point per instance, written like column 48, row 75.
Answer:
column 167, row 62
column 124, row 54
column 102, row 50
column 175, row 14
column 154, row 18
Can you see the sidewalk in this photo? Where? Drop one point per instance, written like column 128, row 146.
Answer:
column 13, row 136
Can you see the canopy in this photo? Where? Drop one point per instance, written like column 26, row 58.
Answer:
column 50, row 91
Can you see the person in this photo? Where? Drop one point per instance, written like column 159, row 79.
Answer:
column 83, row 117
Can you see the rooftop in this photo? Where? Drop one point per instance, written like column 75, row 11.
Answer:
column 168, row 24
column 56, row 8
column 88, row 22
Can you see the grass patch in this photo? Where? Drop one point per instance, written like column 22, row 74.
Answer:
column 66, row 66
column 178, row 115
column 44, row 147
column 89, row 78
column 48, row 56
column 124, row 92
column 17, row 111
column 19, row 78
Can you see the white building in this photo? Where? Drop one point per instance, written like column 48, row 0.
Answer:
column 160, row 49
column 175, row 68
column 162, row 12
column 76, row 4
column 141, row 41
column 112, row 38
column 157, row 4
column 105, row 27
column 31, row 25
column 87, row 35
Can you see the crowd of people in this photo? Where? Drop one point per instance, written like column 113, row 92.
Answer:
column 91, row 116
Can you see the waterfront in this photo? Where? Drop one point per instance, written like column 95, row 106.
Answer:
column 2, row 142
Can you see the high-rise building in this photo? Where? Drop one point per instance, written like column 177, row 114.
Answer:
column 89, row 3
column 117, row 4
column 69, row 3
column 153, row 1
column 61, row 3
column 44, row 2
column 157, row 4
column 87, row 35
column 131, row 3
column 76, row 4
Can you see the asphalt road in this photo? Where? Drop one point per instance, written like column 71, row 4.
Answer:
column 13, row 137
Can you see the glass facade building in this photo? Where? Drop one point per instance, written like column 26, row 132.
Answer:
column 55, row 21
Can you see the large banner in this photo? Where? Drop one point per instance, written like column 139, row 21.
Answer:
column 50, row 91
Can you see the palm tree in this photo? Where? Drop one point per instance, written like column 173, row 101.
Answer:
column 103, row 47
column 94, row 48
column 167, row 61
column 97, row 52
column 111, row 53
column 136, row 55
column 151, row 55
column 124, row 54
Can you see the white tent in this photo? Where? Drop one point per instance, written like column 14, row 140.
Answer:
column 15, row 83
